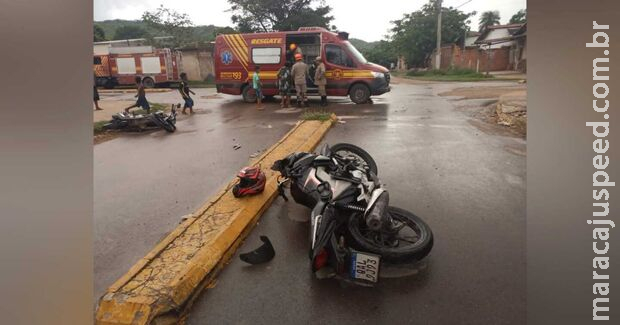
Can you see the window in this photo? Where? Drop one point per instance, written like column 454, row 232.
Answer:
column 126, row 65
column 97, row 60
column 334, row 54
column 266, row 55
column 150, row 64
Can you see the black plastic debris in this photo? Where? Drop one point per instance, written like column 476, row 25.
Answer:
column 260, row 255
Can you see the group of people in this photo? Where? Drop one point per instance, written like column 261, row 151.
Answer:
column 288, row 75
column 143, row 103
column 295, row 74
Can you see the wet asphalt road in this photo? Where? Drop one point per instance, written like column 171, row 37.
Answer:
column 467, row 182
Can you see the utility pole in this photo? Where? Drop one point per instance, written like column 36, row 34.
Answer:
column 438, row 50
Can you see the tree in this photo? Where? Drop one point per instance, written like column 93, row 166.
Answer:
column 382, row 53
column 283, row 15
column 130, row 32
column 520, row 17
column 488, row 18
column 415, row 35
column 168, row 22
column 98, row 34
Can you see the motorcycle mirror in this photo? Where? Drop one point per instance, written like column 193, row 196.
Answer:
column 325, row 151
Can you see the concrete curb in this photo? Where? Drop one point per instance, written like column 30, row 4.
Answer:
column 161, row 287
column 126, row 91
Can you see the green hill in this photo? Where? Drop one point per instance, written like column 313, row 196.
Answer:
column 202, row 33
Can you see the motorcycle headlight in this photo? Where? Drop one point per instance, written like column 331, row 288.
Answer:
column 378, row 74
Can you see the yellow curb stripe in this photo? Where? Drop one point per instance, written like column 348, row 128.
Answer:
column 163, row 284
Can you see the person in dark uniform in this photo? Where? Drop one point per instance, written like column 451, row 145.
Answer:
column 185, row 91
column 96, row 96
column 141, row 102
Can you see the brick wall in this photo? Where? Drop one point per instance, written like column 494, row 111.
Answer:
column 473, row 58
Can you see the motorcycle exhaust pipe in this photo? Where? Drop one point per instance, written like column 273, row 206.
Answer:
column 375, row 218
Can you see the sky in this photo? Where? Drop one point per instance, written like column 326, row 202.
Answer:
column 368, row 20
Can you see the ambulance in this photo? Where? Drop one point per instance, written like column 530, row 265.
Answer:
column 348, row 73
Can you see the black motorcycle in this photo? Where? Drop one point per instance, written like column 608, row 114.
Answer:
column 353, row 230
column 141, row 122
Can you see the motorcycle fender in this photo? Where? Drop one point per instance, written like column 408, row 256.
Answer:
column 315, row 221
column 373, row 199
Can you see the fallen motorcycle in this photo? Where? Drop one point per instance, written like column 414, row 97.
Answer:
column 353, row 230
column 141, row 122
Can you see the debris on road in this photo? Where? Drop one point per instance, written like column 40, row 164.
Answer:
column 263, row 254
column 236, row 147
column 257, row 153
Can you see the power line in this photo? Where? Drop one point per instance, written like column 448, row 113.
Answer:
column 462, row 4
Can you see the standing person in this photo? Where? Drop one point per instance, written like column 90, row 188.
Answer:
column 299, row 73
column 256, row 84
column 96, row 96
column 185, row 91
column 320, row 80
column 284, row 84
column 141, row 102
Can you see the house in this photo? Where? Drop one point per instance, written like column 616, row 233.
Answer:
column 504, row 44
column 470, row 39
column 498, row 36
column 495, row 48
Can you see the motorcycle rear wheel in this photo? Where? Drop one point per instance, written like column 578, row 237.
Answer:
column 406, row 250
column 348, row 149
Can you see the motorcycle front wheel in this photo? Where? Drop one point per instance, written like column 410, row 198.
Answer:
column 169, row 127
column 346, row 149
column 412, row 242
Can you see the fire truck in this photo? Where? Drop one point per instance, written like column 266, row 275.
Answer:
column 120, row 65
column 348, row 73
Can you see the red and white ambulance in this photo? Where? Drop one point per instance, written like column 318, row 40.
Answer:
column 348, row 73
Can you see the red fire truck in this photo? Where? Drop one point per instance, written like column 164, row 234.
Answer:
column 348, row 72
column 120, row 65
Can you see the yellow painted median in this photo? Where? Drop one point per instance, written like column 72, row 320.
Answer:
column 160, row 288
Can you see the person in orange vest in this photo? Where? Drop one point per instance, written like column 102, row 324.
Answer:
column 299, row 71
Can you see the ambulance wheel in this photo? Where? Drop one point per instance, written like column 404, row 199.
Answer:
column 248, row 94
column 148, row 82
column 359, row 93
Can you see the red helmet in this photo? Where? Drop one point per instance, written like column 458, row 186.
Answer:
column 298, row 56
column 251, row 181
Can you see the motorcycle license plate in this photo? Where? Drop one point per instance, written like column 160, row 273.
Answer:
column 364, row 266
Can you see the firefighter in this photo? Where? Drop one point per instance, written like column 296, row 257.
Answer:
column 320, row 80
column 299, row 73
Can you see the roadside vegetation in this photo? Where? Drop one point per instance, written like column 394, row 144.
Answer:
column 316, row 115
column 452, row 74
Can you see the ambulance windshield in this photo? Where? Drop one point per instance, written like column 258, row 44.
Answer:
column 358, row 56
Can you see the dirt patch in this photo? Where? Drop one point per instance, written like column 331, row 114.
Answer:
column 484, row 104
column 105, row 136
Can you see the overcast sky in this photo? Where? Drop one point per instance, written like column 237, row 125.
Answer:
column 364, row 19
